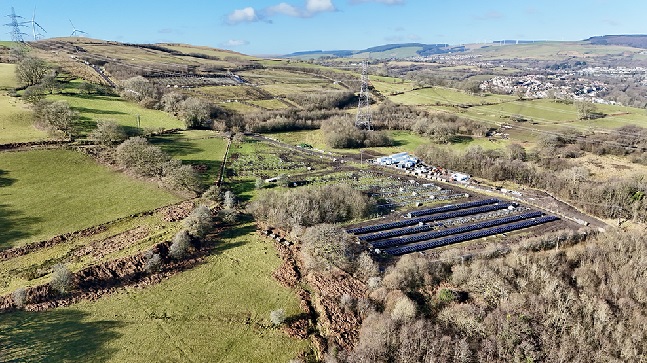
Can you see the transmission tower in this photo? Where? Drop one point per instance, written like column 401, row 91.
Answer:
column 363, row 119
column 16, row 32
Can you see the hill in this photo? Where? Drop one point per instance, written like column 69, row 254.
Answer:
column 387, row 51
column 632, row 40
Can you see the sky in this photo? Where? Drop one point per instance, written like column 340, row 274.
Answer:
column 274, row 27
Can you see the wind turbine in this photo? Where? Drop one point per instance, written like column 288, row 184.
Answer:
column 34, row 24
column 75, row 30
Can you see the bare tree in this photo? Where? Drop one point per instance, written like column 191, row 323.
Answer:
column 31, row 70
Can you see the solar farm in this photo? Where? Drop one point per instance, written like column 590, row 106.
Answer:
column 451, row 215
column 425, row 229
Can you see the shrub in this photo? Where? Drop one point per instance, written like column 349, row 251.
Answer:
column 404, row 309
column 19, row 297
column 277, row 317
column 108, row 132
column 153, row 262
column 198, row 223
column 61, row 279
column 181, row 245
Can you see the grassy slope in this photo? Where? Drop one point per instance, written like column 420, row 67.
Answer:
column 216, row 312
column 48, row 192
column 199, row 147
column 552, row 50
column 93, row 108
column 15, row 118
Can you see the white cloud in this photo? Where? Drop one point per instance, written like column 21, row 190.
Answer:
column 245, row 15
column 308, row 9
column 235, row 43
column 319, row 6
column 285, row 9
column 388, row 2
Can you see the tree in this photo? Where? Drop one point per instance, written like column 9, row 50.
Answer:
column 180, row 245
column 50, row 84
column 586, row 110
column 327, row 245
column 31, row 70
column 138, row 155
column 277, row 317
column 199, row 222
column 404, row 309
column 171, row 102
column 56, row 116
column 34, row 94
column 196, row 113
column 61, row 279
column 181, row 177
column 141, row 90
column 229, row 200
column 108, row 132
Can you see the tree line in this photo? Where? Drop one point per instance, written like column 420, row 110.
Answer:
column 569, row 305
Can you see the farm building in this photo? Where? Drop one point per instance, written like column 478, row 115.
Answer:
column 400, row 160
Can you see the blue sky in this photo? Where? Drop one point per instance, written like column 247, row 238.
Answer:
column 264, row 27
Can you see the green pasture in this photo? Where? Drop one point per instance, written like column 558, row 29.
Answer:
column 238, row 107
column 197, row 147
column 283, row 89
column 272, row 104
column 388, row 85
column 223, row 54
column 215, row 312
column 552, row 50
column 440, row 95
column 15, row 118
column 8, row 76
column 403, row 52
column 280, row 76
column 16, row 122
column 44, row 193
column 92, row 108
column 34, row 268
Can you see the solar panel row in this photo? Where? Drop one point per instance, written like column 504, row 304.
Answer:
column 435, row 217
column 469, row 236
column 450, row 231
column 451, row 207
column 396, row 232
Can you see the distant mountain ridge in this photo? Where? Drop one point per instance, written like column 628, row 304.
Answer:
column 633, row 40
column 378, row 51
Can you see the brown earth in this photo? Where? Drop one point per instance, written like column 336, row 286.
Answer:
column 322, row 308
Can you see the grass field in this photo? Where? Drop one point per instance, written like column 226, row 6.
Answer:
column 15, row 117
column 94, row 108
column 198, row 147
column 439, row 95
column 216, row 312
column 21, row 271
column 8, row 76
column 48, row 192
column 552, row 50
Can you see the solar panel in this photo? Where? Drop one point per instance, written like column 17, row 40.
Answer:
column 426, row 219
column 451, row 231
column 451, row 207
column 469, row 236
